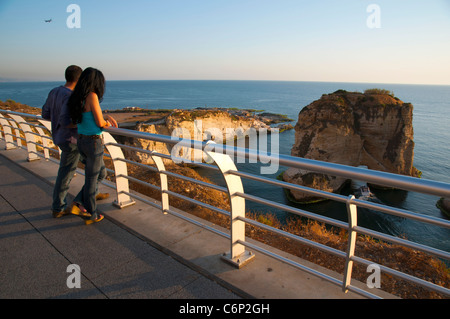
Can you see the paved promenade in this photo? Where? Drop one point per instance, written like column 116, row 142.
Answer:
column 136, row 252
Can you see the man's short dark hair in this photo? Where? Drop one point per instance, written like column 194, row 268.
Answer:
column 73, row 73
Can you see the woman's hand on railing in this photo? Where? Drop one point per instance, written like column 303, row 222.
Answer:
column 111, row 121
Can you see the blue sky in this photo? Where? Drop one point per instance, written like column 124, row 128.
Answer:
column 286, row 40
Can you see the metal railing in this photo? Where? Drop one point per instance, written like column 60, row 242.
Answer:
column 14, row 126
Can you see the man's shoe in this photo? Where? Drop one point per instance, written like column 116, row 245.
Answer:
column 79, row 211
column 101, row 196
column 57, row 214
column 91, row 221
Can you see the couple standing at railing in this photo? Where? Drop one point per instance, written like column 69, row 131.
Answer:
column 77, row 124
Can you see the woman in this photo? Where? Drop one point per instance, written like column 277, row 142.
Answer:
column 86, row 113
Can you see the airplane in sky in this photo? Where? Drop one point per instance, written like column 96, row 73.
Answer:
column 48, row 20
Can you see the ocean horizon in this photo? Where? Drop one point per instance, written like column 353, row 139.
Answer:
column 430, row 117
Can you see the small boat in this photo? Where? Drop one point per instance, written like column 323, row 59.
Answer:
column 364, row 192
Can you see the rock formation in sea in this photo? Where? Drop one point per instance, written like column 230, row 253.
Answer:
column 220, row 125
column 444, row 205
column 374, row 129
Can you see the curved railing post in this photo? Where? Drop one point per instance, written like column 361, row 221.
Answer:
column 120, row 169
column 7, row 133
column 16, row 128
column 237, row 256
column 352, row 223
column 29, row 137
column 164, row 184
column 45, row 143
column 48, row 126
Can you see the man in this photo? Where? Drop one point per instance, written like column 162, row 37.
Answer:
column 64, row 137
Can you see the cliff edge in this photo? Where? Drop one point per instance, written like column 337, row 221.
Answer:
column 220, row 125
column 373, row 129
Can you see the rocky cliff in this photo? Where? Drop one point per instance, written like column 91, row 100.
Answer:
column 373, row 129
column 220, row 125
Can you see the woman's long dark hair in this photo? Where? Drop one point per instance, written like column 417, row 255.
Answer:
column 91, row 80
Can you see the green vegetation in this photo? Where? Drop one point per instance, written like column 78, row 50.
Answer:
column 368, row 92
column 340, row 92
column 379, row 91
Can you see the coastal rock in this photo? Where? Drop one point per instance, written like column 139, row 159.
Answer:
column 444, row 205
column 373, row 129
column 198, row 124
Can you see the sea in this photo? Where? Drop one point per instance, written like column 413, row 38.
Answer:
column 431, row 117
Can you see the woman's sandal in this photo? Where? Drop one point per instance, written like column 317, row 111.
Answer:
column 91, row 221
column 79, row 210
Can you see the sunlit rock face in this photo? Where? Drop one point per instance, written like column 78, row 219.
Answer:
column 373, row 129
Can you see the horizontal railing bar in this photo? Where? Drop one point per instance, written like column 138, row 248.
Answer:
column 15, row 136
column 131, row 178
column 362, row 292
column 302, row 240
column 371, row 176
column 46, row 137
column 107, row 183
column 340, row 198
column 142, row 199
column 296, row 211
column 402, row 242
column 35, row 152
column 37, row 144
column 311, row 271
column 37, row 117
column 304, row 189
column 146, row 166
column 169, row 157
column 153, row 153
column 33, row 124
column 18, row 137
column 30, row 132
column 213, row 208
column 359, row 229
column 137, row 149
column 202, row 165
column 216, row 231
column 401, row 213
column 213, row 186
column 53, row 160
column 43, row 147
column 10, row 126
column 292, row 263
column 404, row 276
column 193, row 180
column 355, row 173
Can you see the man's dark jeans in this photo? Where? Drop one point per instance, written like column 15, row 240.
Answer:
column 67, row 166
column 92, row 152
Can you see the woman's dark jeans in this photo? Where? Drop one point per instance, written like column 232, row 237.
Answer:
column 92, row 152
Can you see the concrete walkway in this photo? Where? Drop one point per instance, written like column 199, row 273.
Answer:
column 136, row 252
